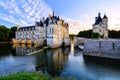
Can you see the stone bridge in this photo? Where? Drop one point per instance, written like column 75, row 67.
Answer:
column 79, row 40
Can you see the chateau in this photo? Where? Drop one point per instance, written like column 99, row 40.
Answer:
column 101, row 26
column 52, row 30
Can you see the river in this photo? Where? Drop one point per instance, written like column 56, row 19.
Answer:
column 68, row 62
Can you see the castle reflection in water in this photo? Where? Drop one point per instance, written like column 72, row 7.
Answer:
column 22, row 49
column 49, row 61
column 52, row 61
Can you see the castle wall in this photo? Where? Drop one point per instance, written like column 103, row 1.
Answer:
column 109, row 48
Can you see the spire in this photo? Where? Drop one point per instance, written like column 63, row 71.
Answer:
column 58, row 18
column 53, row 13
column 98, row 19
column 99, row 14
column 104, row 16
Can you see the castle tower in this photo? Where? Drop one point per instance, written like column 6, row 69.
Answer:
column 105, row 24
column 101, row 26
column 105, row 20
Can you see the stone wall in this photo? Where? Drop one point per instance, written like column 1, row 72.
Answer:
column 109, row 48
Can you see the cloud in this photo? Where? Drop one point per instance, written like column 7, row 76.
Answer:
column 23, row 12
column 75, row 26
column 114, row 24
column 87, row 15
column 118, row 18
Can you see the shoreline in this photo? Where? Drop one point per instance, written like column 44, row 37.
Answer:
column 5, row 42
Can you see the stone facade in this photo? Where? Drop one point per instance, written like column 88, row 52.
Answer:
column 30, row 34
column 101, row 26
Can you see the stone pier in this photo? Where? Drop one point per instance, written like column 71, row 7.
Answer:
column 106, row 48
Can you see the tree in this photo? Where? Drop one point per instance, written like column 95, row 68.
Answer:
column 90, row 34
column 95, row 35
column 12, row 32
column 114, row 34
column 85, row 34
column 4, row 33
column 71, row 36
column 2, row 36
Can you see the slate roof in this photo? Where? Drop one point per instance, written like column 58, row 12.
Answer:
column 27, row 27
column 53, row 18
column 105, row 16
column 99, row 19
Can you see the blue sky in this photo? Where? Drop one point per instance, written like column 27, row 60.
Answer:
column 79, row 13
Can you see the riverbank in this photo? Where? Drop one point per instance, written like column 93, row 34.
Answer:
column 32, row 76
column 5, row 42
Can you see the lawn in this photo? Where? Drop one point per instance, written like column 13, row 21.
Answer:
column 31, row 76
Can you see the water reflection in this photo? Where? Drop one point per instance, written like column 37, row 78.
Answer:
column 102, row 69
column 5, row 50
column 22, row 49
column 72, row 49
column 52, row 61
column 66, row 62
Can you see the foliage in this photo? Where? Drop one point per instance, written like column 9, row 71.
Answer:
column 71, row 36
column 12, row 32
column 94, row 35
column 85, row 34
column 6, row 33
column 114, row 34
column 90, row 34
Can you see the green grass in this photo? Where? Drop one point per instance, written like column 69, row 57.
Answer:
column 31, row 76
column 26, row 76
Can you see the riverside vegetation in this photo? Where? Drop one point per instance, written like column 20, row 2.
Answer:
column 90, row 34
column 32, row 76
column 6, row 34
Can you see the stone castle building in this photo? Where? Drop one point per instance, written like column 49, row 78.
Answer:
column 52, row 30
column 101, row 26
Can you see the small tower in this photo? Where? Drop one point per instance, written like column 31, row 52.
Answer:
column 105, row 20
column 101, row 26
column 105, row 26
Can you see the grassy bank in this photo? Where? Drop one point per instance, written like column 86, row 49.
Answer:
column 31, row 76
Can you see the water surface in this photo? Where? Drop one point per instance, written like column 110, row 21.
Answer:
column 68, row 62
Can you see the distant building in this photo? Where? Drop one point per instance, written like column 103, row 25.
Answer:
column 101, row 26
column 52, row 30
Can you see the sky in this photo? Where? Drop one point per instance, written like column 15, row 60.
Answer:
column 80, row 14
